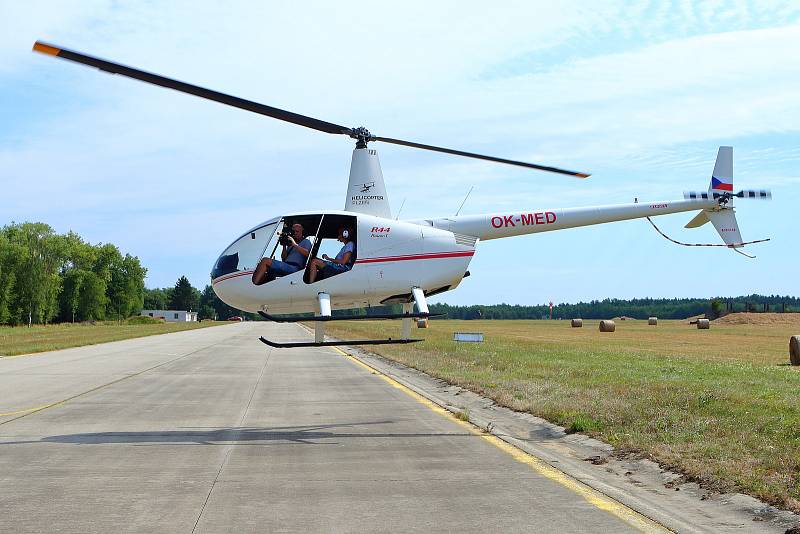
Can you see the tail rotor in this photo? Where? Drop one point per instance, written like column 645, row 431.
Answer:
column 724, row 197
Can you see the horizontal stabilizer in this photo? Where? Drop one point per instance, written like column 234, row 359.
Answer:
column 699, row 220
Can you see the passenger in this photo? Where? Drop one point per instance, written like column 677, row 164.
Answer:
column 293, row 257
column 341, row 263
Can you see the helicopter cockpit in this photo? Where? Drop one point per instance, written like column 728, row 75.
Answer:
column 264, row 241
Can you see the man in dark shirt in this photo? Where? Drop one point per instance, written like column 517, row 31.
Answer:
column 293, row 257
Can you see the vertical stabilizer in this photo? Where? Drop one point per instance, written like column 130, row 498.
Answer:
column 724, row 221
column 366, row 192
column 722, row 179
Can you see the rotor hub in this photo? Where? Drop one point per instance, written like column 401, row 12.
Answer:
column 362, row 136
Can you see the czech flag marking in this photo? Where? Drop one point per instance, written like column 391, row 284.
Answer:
column 716, row 183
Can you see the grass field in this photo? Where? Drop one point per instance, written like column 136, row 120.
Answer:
column 39, row 338
column 721, row 406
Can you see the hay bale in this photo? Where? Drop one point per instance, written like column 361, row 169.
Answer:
column 794, row 350
column 607, row 326
column 703, row 324
column 576, row 323
column 652, row 321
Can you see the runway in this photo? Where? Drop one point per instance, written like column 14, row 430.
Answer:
column 211, row 431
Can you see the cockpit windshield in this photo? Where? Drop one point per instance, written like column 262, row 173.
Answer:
column 244, row 253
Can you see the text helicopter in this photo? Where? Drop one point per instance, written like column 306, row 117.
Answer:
column 289, row 265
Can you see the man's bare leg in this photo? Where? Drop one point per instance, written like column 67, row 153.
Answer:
column 260, row 274
column 312, row 269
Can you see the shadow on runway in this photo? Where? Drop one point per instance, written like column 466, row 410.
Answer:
column 309, row 435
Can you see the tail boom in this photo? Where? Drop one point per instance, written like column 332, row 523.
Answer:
column 496, row 226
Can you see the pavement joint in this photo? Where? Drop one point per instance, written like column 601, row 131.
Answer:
column 230, row 447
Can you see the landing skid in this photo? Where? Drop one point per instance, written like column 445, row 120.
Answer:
column 326, row 318
column 336, row 343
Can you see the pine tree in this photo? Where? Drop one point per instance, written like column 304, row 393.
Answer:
column 184, row 296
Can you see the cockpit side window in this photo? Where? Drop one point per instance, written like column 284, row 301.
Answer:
column 244, row 253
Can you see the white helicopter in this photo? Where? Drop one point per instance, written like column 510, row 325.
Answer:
column 397, row 261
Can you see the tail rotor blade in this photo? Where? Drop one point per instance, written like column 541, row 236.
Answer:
column 761, row 194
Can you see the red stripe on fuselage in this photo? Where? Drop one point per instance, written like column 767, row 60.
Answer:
column 428, row 256
column 229, row 276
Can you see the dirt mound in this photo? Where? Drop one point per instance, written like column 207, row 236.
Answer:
column 760, row 318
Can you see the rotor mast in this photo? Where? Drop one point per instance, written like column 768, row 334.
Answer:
column 366, row 191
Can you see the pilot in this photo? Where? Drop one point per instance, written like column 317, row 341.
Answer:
column 293, row 257
column 341, row 263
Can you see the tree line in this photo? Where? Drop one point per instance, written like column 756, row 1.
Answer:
column 49, row 277
column 635, row 308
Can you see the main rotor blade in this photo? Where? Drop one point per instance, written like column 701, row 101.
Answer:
column 155, row 79
column 479, row 156
column 361, row 134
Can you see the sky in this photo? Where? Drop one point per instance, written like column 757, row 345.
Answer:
column 639, row 94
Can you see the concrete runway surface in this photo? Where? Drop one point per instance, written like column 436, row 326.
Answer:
column 212, row 431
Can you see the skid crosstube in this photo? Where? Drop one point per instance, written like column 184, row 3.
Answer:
column 326, row 318
column 336, row 343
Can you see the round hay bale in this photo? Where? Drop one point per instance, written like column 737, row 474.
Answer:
column 794, row 350
column 607, row 326
column 703, row 324
column 576, row 323
column 422, row 323
column 652, row 321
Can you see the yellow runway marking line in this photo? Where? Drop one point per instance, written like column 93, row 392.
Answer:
column 31, row 410
column 28, row 411
column 593, row 496
column 20, row 355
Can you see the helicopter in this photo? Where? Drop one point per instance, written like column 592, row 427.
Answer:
column 397, row 261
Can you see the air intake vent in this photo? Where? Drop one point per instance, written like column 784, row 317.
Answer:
column 466, row 240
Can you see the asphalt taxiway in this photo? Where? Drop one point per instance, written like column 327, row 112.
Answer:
column 211, row 431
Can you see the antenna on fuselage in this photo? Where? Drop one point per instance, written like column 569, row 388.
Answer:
column 401, row 209
column 465, row 199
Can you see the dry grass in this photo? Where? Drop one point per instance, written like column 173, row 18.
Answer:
column 789, row 319
column 39, row 338
column 719, row 405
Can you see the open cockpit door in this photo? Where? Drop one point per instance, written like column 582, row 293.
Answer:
column 327, row 243
column 286, row 259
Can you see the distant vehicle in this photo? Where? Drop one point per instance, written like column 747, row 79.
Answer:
column 235, row 318
column 393, row 261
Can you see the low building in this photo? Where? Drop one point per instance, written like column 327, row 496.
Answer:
column 171, row 316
